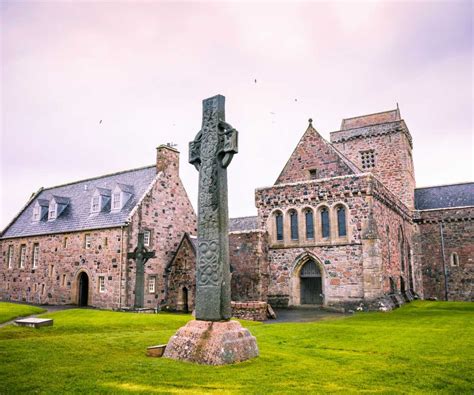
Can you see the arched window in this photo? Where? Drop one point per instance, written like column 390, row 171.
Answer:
column 279, row 226
column 454, row 259
column 294, row 225
column 324, row 222
column 341, row 221
column 309, row 224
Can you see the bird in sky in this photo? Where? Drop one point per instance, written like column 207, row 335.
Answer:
column 255, row 80
column 100, row 121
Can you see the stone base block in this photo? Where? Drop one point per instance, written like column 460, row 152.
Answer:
column 212, row 343
column 35, row 322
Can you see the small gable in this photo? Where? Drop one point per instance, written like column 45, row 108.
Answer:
column 315, row 158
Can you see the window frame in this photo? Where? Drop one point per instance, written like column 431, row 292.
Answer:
column 87, row 241
column 22, row 260
column 35, row 259
column 324, row 215
column 101, row 284
column 279, row 226
column 146, row 233
column 52, row 210
column 309, row 227
column 454, row 259
column 341, row 208
column 10, row 256
column 116, row 200
column 294, row 231
column 95, row 204
column 152, row 284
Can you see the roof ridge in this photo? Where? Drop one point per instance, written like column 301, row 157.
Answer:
column 366, row 126
column 245, row 216
column 445, row 185
column 102, row 176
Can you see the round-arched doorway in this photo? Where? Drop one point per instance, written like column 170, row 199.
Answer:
column 82, row 289
column 311, row 286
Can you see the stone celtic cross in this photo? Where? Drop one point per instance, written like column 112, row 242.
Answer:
column 211, row 152
column 141, row 255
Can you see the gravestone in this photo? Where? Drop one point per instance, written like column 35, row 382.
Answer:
column 212, row 339
column 141, row 256
column 34, row 322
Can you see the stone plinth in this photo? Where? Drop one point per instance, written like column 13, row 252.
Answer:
column 212, row 343
column 34, row 322
column 254, row 311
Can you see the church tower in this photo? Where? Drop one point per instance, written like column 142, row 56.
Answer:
column 382, row 144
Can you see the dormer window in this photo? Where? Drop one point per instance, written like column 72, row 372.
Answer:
column 120, row 196
column 40, row 210
column 95, row 204
column 100, row 200
column 116, row 201
column 56, row 206
column 53, row 207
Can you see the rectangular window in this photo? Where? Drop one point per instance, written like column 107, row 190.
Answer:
column 146, row 238
column 51, row 270
column 65, row 242
column 52, row 210
column 36, row 213
column 63, row 280
column 116, row 200
column 313, row 174
column 106, row 241
column 101, row 284
column 22, row 256
column 152, row 284
column 95, row 204
column 10, row 257
column 87, row 240
column 36, row 287
column 42, row 289
column 35, row 255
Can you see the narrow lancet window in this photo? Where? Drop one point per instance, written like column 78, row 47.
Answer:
column 294, row 225
column 309, row 225
column 279, row 226
column 341, row 221
column 325, row 223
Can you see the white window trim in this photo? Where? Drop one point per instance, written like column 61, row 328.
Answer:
column 37, row 213
column 87, row 241
column 97, row 209
column 102, row 284
column 145, row 242
column 115, row 200
column 22, row 256
column 53, row 210
column 152, row 284
column 35, row 255
column 10, row 257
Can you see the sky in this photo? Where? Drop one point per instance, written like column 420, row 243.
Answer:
column 143, row 69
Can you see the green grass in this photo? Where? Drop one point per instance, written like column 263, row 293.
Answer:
column 424, row 347
column 9, row 311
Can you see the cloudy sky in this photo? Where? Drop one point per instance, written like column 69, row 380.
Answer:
column 143, row 68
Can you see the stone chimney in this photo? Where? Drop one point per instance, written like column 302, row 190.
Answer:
column 167, row 159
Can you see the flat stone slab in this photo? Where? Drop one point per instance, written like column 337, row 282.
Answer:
column 156, row 351
column 34, row 322
column 212, row 343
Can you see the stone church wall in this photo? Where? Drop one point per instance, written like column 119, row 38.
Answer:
column 249, row 265
column 392, row 147
column 457, row 227
column 167, row 213
column 62, row 257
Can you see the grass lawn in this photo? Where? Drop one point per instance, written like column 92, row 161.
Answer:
column 9, row 311
column 424, row 347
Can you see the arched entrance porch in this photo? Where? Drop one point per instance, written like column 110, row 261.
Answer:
column 307, row 282
column 81, row 289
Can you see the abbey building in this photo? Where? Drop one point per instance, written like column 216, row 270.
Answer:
column 343, row 225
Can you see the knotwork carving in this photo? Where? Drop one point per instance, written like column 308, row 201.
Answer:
column 211, row 152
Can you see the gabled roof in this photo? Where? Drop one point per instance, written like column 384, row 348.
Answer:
column 242, row 224
column 314, row 152
column 445, row 196
column 371, row 119
column 77, row 215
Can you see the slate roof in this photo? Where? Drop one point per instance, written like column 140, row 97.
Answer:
column 242, row 224
column 445, row 196
column 77, row 215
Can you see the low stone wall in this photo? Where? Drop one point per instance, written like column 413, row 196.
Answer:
column 254, row 311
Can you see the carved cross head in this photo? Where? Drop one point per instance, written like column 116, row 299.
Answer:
column 213, row 122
